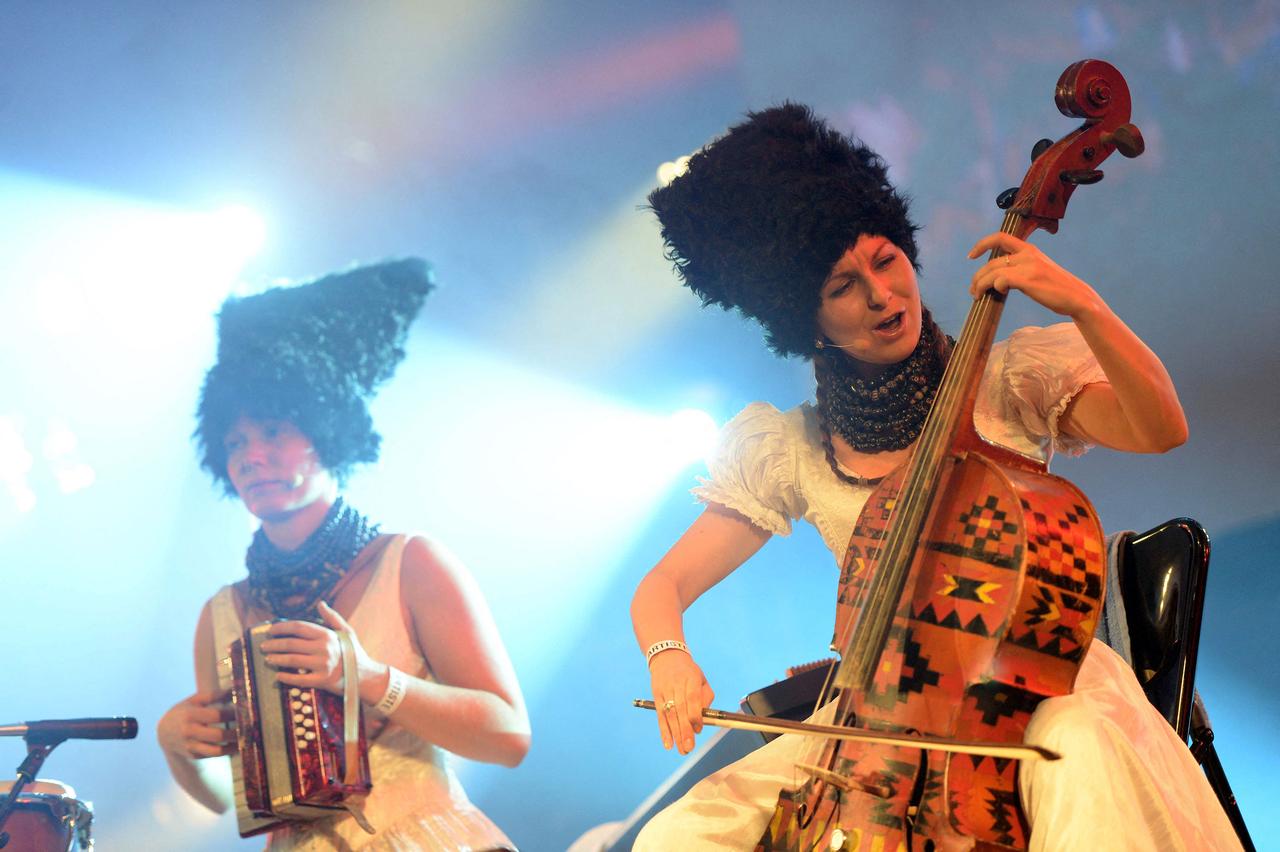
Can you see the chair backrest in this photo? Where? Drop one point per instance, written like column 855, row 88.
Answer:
column 1162, row 575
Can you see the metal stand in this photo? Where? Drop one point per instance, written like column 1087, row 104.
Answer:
column 27, row 771
column 1203, row 751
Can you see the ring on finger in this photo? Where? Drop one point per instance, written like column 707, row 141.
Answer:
column 669, row 705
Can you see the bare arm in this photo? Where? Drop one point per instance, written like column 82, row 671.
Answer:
column 476, row 709
column 712, row 548
column 1137, row 408
column 191, row 733
column 473, row 708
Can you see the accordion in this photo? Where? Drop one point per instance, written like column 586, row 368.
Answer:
column 302, row 752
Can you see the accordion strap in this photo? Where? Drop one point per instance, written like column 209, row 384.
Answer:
column 351, row 725
column 350, row 708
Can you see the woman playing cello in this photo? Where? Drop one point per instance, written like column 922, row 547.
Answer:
column 797, row 227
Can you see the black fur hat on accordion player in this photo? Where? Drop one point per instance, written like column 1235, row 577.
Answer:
column 311, row 354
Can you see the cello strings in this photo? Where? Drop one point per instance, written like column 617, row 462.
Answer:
column 881, row 593
column 884, row 586
column 924, row 464
column 923, row 476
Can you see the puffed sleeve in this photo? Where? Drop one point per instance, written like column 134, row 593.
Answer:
column 753, row 470
column 1040, row 370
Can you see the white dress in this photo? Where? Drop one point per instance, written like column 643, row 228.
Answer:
column 1126, row 783
column 416, row 802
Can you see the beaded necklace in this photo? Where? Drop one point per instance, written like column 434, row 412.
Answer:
column 885, row 413
column 289, row 583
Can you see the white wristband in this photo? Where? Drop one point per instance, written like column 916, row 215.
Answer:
column 665, row 645
column 397, row 686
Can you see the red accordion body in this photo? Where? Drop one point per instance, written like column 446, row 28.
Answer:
column 291, row 757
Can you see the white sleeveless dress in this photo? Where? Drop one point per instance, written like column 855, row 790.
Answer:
column 416, row 802
column 1126, row 783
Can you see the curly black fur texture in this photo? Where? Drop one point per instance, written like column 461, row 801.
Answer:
column 765, row 211
column 312, row 355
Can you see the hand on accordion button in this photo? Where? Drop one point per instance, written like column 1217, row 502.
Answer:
column 308, row 654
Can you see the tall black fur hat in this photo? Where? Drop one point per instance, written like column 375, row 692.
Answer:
column 313, row 355
column 765, row 211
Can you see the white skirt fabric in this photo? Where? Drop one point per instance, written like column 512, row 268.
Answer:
column 419, row 805
column 1126, row 782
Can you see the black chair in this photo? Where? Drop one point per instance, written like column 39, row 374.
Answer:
column 1162, row 574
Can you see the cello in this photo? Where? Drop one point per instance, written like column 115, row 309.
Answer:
column 971, row 586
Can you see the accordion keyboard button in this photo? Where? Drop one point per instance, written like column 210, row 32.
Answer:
column 294, row 691
column 298, row 732
column 309, row 735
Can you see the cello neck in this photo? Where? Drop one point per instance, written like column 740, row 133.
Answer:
column 950, row 418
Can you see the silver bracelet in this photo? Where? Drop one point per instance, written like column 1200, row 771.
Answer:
column 665, row 645
column 397, row 686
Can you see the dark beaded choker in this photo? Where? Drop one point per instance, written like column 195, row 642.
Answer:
column 289, row 583
column 885, row 413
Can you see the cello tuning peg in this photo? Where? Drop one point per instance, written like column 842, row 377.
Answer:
column 1005, row 199
column 1039, row 148
column 1127, row 139
column 1080, row 176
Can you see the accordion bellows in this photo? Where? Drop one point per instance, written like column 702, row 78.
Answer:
column 291, row 761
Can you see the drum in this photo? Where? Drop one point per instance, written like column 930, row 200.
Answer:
column 48, row 818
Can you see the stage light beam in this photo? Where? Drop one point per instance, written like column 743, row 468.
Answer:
column 238, row 230
column 690, row 436
column 15, row 465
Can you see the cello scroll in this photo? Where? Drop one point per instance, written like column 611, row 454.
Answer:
column 1095, row 91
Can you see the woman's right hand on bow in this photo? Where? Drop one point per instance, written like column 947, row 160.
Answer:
column 198, row 726
column 680, row 694
column 717, row 543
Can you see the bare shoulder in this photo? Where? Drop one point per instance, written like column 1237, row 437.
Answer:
column 430, row 569
column 452, row 621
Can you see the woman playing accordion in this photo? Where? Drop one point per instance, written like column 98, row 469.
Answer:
column 282, row 421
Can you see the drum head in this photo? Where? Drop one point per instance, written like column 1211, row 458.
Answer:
column 47, row 818
column 48, row 786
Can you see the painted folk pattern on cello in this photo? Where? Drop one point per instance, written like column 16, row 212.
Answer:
column 1016, row 547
